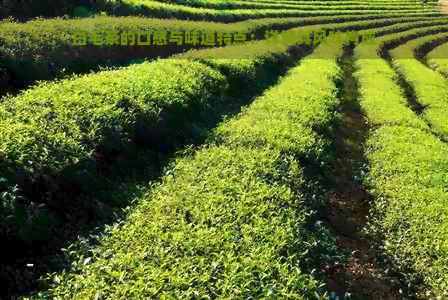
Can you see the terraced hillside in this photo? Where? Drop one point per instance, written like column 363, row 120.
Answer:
column 290, row 149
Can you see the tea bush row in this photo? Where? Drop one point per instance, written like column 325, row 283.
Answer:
column 438, row 58
column 165, row 10
column 430, row 87
column 407, row 166
column 329, row 5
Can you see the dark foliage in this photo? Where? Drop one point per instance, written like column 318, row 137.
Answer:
column 23, row 10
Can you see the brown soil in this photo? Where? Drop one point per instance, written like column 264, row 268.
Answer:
column 362, row 276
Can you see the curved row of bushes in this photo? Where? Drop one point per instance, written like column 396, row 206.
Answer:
column 407, row 164
column 327, row 5
column 347, row 2
column 429, row 86
column 315, row 32
column 57, row 125
column 164, row 10
column 438, row 58
column 43, row 49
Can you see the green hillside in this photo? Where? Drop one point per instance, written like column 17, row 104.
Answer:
column 209, row 149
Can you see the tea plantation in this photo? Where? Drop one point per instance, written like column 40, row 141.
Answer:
column 211, row 149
